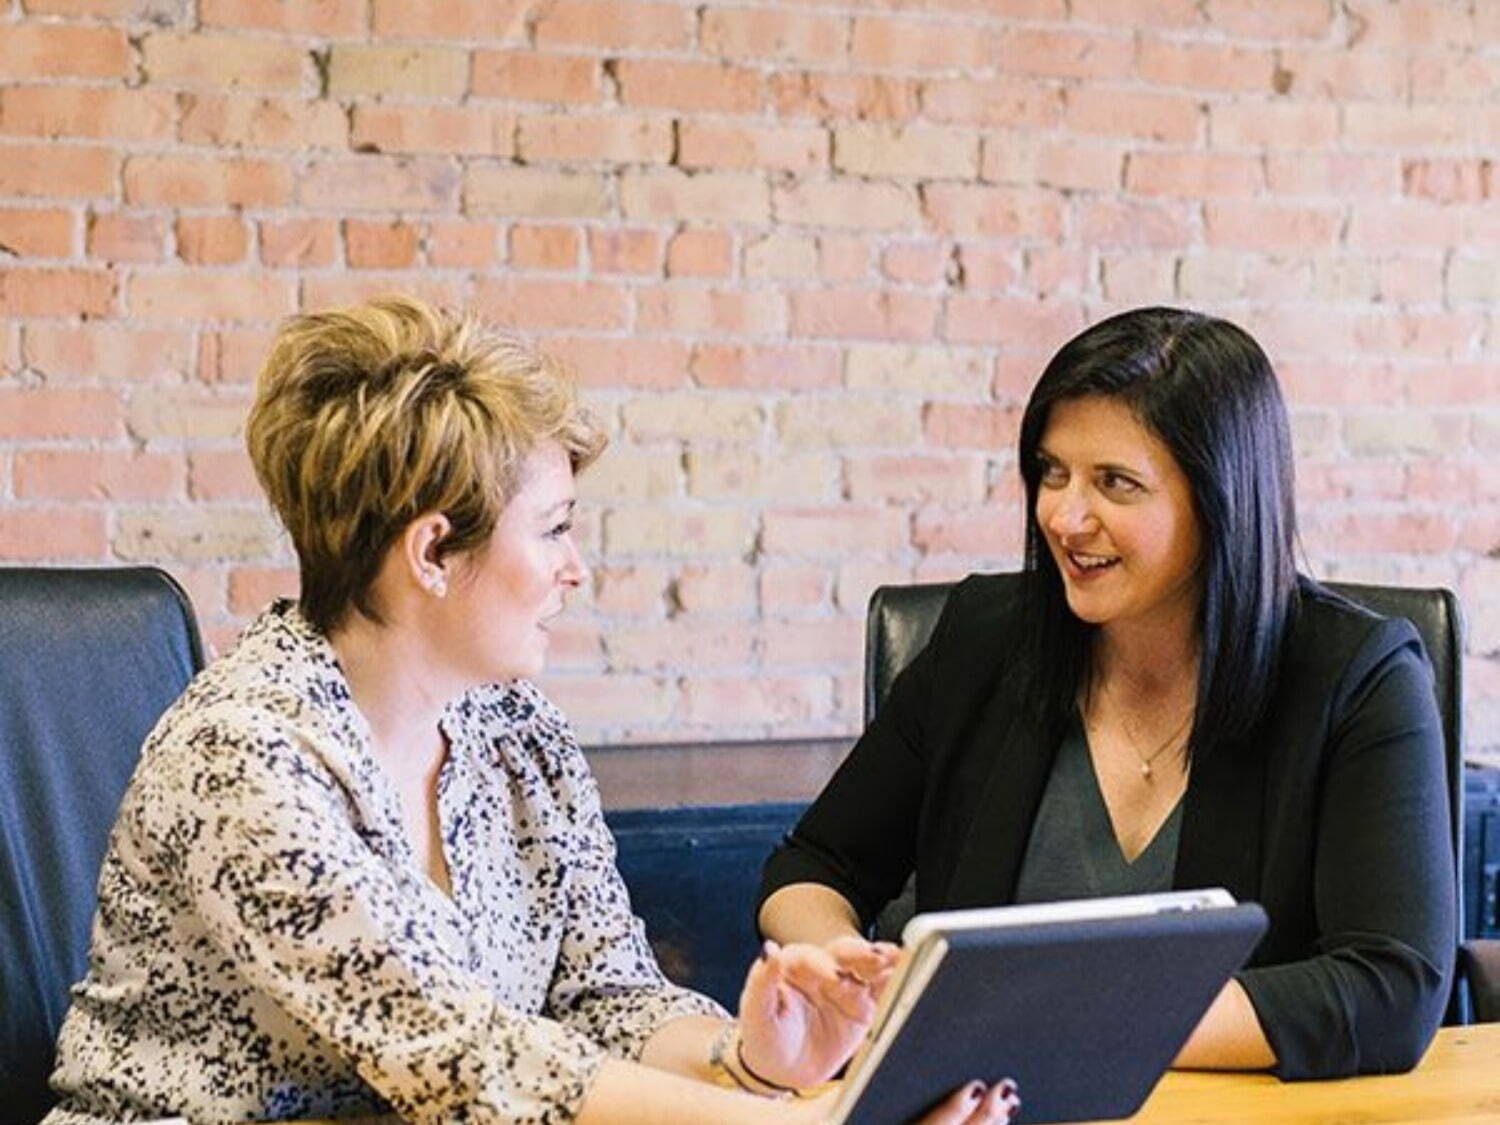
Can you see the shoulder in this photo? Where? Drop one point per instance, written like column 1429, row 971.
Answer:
column 983, row 604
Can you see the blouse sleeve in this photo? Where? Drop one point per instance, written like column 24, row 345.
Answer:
column 259, row 835
column 1372, row 997
column 607, row 984
column 859, row 836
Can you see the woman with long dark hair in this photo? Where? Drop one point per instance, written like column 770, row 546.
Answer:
column 1161, row 702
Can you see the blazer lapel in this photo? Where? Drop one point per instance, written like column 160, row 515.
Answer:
column 1222, row 824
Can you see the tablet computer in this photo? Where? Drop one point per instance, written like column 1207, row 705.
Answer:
column 1085, row 1004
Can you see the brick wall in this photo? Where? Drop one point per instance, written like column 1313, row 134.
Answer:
column 808, row 257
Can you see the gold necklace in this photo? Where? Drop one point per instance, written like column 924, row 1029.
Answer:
column 1146, row 760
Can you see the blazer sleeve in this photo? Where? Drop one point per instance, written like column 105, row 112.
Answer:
column 1372, row 996
column 859, row 835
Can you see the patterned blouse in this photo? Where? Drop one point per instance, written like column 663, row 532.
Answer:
column 267, row 946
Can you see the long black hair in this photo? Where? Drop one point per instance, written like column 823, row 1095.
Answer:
column 1208, row 393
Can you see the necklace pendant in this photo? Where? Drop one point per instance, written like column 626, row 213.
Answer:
column 1146, row 770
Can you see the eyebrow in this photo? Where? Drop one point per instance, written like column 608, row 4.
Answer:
column 566, row 505
column 1110, row 466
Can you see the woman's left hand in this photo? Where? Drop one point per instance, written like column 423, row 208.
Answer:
column 805, row 1008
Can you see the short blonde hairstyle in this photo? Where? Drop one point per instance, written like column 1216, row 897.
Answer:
column 367, row 417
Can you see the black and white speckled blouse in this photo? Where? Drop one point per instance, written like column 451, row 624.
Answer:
column 267, row 946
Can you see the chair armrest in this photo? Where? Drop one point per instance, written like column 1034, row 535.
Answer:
column 1479, row 961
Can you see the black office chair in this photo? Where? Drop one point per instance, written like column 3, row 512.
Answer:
column 901, row 618
column 89, row 659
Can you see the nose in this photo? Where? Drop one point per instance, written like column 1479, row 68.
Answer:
column 574, row 571
column 1069, row 514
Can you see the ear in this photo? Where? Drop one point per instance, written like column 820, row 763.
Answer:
column 420, row 558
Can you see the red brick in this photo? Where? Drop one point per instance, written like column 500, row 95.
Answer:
column 543, row 247
column 126, row 237
column 39, row 50
column 252, row 121
column 385, row 70
column 56, row 292
column 1406, row 224
column 985, row 533
column 843, row 257
column 952, row 425
column 1343, row 75
column 1336, row 175
column 448, row 129
column 1170, row 118
column 971, row 318
column 650, row 648
column 351, row 287
column 630, row 591
column 710, row 144
column 251, row 588
column 308, row 17
column 457, row 242
column 774, row 34
column 646, row 363
column 1377, row 532
column 997, row 103
column 832, row 532
column 917, row 263
column 614, row 698
column 1449, row 181
column 880, row 150
column 1064, row 53
column 1156, row 14
column 1204, row 66
column 896, row 44
column 535, row 193
column 776, row 367
column 111, row 351
column 1083, row 164
column 103, row 9
column 620, row 23
column 614, row 138
column 715, row 590
column 793, row 589
column 36, row 233
column 536, row 76
column 298, row 242
column 1456, row 77
column 57, row 171
column 1421, row 127
column 87, row 111
column 545, row 305
column 915, row 478
column 828, row 643
column 857, row 203
column 1410, row 26
column 1273, row 19
column 222, row 62
column 964, row 210
column 700, row 253
column 214, row 297
column 698, row 311
column 54, row 412
column 669, row 195
column 234, row 355
column 1193, row 175
column 1438, row 335
column 190, row 181
column 862, row 97
column 695, row 86
column 869, row 313
column 493, row 20
column 1111, row 224
column 1276, row 126
column 212, row 240
column 86, row 474
column 221, row 475
column 374, row 244
column 774, row 700
column 625, row 250
column 61, row 534
column 380, row 183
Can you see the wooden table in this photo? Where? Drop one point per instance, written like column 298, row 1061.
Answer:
column 1458, row 1083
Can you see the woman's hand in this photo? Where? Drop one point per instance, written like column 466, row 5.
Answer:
column 805, row 1008
column 968, row 1105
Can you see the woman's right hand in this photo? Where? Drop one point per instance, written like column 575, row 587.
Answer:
column 972, row 1104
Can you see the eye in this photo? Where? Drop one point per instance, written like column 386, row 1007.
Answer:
column 561, row 529
column 1050, row 473
column 1119, row 483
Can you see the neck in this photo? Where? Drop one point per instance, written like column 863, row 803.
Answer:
column 1156, row 660
column 389, row 679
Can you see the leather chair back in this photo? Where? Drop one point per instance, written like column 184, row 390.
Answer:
column 89, row 660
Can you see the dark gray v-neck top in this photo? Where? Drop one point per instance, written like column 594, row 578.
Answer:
column 1073, row 852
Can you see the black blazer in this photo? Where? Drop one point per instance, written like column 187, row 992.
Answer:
column 1335, row 819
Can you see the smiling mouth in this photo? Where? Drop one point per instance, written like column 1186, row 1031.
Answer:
column 1091, row 564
